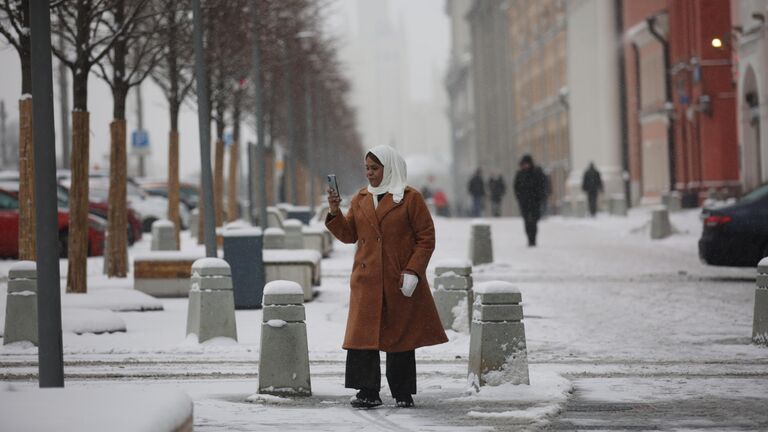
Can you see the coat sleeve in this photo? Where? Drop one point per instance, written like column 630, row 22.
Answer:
column 343, row 227
column 424, row 231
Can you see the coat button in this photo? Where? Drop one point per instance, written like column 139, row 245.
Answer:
column 362, row 265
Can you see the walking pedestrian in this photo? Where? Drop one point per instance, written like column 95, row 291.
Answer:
column 390, row 304
column 496, row 189
column 592, row 184
column 476, row 188
column 530, row 190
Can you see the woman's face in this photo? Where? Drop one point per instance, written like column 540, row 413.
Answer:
column 374, row 172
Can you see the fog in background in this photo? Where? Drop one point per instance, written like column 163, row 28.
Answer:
column 394, row 51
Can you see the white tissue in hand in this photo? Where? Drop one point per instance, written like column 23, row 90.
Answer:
column 409, row 284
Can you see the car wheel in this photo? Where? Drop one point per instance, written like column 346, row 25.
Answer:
column 63, row 244
column 146, row 225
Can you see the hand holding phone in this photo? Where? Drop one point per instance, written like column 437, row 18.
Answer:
column 333, row 194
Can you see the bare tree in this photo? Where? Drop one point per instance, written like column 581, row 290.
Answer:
column 89, row 32
column 125, row 66
column 174, row 75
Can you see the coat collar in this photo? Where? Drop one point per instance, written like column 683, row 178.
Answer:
column 385, row 206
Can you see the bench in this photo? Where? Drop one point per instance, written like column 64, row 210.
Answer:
column 163, row 273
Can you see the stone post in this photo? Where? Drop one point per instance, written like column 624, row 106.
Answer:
column 243, row 251
column 211, row 311
column 660, row 225
column 672, row 200
column 21, row 305
column 480, row 243
column 497, row 348
column 618, row 205
column 294, row 238
column 194, row 221
column 453, row 294
column 579, row 207
column 274, row 238
column 284, row 353
column 163, row 236
column 760, row 323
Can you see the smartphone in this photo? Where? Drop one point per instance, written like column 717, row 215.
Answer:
column 333, row 184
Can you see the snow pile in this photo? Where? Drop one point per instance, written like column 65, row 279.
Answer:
column 95, row 409
column 460, row 317
column 257, row 398
column 114, row 299
column 79, row 321
column 274, row 231
column 495, row 287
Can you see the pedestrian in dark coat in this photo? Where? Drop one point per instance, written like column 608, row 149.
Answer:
column 476, row 187
column 390, row 306
column 530, row 190
column 497, row 188
column 592, row 184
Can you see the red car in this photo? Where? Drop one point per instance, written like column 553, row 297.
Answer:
column 9, row 228
column 101, row 209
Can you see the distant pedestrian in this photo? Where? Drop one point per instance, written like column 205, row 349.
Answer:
column 592, row 184
column 476, row 188
column 441, row 203
column 530, row 190
column 496, row 188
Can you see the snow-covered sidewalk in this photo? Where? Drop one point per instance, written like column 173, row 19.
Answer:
column 602, row 302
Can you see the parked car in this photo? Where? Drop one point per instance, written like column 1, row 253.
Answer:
column 736, row 234
column 101, row 209
column 9, row 228
column 189, row 193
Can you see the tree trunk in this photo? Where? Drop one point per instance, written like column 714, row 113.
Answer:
column 26, row 182
column 173, row 183
column 234, row 152
column 78, row 206
column 218, row 182
column 201, row 217
column 117, row 219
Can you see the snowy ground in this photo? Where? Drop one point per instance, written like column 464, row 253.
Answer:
column 623, row 333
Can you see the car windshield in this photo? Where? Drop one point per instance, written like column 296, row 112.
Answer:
column 756, row 194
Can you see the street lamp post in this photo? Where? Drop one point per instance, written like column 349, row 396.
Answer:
column 260, row 144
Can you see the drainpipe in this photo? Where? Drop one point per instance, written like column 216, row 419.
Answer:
column 651, row 22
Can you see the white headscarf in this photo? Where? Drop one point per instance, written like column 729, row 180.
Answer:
column 395, row 173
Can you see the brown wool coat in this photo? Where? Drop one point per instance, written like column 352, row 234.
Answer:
column 391, row 238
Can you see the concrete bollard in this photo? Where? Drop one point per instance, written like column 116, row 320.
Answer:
column 284, row 354
column 194, row 219
column 243, row 251
column 660, row 225
column 579, row 207
column 672, row 200
column 566, row 209
column 163, row 236
column 480, row 243
column 211, row 311
column 453, row 294
column 497, row 348
column 760, row 322
column 618, row 205
column 21, row 305
column 294, row 238
column 274, row 218
column 274, row 238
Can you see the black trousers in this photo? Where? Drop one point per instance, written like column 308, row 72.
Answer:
column 531, row 219
column 592, row 200
column 364, row 371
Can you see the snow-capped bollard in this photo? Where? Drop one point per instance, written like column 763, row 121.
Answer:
column 453, row 294
column 243, row 250
column 284, row 354
column 618, row 205
column 497, row 349
column 673, row 201
column 211, row 310
column 579, row 208
column 274, row 218
column 760, row 323
column 660, row 225
column 21, row 305
column 163, row 235
column 274, row 238
column 480, row 243
column 294, row 238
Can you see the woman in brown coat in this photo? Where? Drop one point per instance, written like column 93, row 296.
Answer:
column 390, row 307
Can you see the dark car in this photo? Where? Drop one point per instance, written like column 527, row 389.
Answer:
column 189, row 194
column 736, row 235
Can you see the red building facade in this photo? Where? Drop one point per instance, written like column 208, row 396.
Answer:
column 681, row 98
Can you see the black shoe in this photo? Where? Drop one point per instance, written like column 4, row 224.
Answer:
column 404, row 401
column 365, row 399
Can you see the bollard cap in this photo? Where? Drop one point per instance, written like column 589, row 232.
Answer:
column 160, row 223
column 282, row 292
column 762, row 266
column 461, row 267
column 23, row 270
column 496, row 287
column 238, row 231
column 274, row 231
column 479, row 222
column 292, row 223
column 211, row 267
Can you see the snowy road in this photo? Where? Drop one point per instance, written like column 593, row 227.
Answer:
column 643, row 334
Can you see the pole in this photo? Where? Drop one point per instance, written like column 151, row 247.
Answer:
column 3, row 152
column 294, row 147
column 251, row 168
column 50, row 357
column 310, row 141
column 204, row 123
column 66, row 137
column 140, row 120
column 260, row 143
